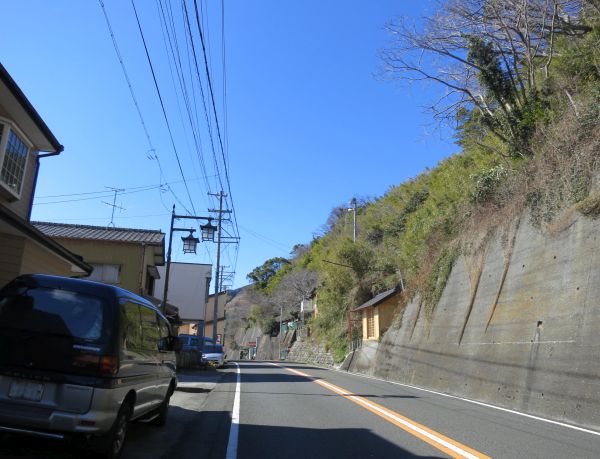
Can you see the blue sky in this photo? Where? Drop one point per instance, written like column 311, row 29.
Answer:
column 309, row 125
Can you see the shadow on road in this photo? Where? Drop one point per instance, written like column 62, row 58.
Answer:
column 253, row 364
column 192, row 390
column 275, row 378
column 16, row 446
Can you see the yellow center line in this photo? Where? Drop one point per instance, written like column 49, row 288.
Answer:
column 437, row 440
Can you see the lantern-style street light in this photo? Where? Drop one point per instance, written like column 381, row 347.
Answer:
column 208, row 231
column 189, row 243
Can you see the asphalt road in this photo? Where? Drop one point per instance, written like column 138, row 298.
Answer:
column 295, row 411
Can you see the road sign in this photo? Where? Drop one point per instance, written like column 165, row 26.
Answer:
column 252, row 343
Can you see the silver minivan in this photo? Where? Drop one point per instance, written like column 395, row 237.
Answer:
column 80, row 359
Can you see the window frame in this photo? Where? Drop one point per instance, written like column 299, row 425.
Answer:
column 7, row 127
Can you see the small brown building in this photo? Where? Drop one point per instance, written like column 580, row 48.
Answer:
column 127, row 257
column 378, row 313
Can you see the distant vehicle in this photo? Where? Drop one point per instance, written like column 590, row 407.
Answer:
column 189, row 342
column 80, row 359
column 213, row 354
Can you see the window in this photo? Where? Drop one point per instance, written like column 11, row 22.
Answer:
column 370, row 323
column 213, row 349
column 53, row 312
column 13, row 159
column 109, row 274
column 150, row 330
column 132, row 329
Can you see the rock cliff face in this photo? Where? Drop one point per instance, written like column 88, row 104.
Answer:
column 518, row 326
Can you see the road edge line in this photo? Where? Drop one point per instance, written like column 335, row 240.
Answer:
column 234, row 430
column 476, row 402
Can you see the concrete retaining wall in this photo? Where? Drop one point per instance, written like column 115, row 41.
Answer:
column 518, row 325
column 308, row 352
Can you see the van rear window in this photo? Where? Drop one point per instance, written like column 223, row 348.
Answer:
column 213, row 349
column 52, row 311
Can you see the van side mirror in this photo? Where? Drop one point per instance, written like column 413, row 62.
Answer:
column 164, row 345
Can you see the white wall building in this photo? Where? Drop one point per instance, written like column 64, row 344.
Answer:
column 307, row 307
column 188, row 289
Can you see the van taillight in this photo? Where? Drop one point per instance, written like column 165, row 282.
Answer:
column 105, row 364
column 109, row 364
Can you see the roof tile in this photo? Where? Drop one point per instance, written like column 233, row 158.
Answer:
column 100, row 233
column 377, row 299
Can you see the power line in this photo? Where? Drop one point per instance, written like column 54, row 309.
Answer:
column 207, row 118
column 152, row 154
column 170, row 41
column 84, row 219
column 224, row 74
column 265, row 239
column 163, row 107
column 83, row 193
column 175, row 52
column 91, row 198
column 215, row 112
column 210, row 88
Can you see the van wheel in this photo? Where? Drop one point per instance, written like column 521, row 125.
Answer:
column 162, row 411
column 111, row 445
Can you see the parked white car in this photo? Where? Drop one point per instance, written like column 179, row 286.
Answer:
column 213, row 354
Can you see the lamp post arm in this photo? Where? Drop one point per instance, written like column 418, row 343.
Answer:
column 193, row 217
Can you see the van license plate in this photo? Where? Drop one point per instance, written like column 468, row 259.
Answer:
column 26, row 390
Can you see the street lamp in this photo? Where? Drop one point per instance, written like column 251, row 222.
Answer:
column 353, row 210
column 190, row 242
column 208, row 231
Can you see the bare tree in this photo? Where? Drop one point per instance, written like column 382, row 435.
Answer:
column 490, row 56
column 293, row 288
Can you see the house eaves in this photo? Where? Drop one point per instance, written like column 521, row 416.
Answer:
column 25, row 116
column 37, row 236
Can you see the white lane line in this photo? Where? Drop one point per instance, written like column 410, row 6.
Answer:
column 234, row 431
column 487, row 405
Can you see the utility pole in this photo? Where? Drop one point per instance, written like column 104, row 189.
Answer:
column 168, row 269
column 280, row 321
column 226, row 278
column 220, row 213
column 353, row 202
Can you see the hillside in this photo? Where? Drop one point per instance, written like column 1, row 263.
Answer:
column 528, row 145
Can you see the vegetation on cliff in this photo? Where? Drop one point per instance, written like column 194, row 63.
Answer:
column 521, row 85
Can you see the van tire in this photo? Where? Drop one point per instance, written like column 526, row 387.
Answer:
column 110, row 446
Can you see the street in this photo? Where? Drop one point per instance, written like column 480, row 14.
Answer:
column 286, row 414
column 293, row 410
